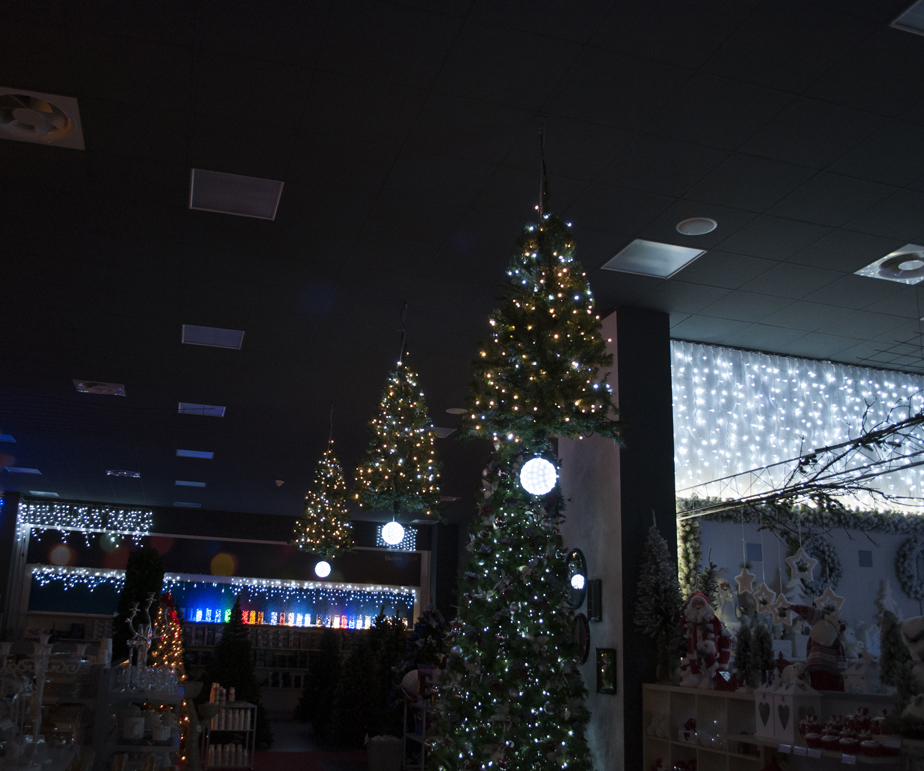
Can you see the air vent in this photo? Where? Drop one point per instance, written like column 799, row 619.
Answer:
column 911, row 20
column 46, row 119
column 22, row 470
column 184, row 483
column 96, row 387
column 905, row 266
column 114, row 472
column 650, row 258
column 223, row 193
column 212, row 410
column 212, row 336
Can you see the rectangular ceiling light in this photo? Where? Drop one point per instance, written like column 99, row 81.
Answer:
column 912, row 19
column 44, row 494
column 187, row 504
column 442, row 433
column 650, row 258
column 22, row 470
column 183, row 483
column 195, row 454
column 7, row 438
column 242, row 196
column 212, row 410
column 96, row 387
column 905, row 266
column 114, row 472
column 212, row 336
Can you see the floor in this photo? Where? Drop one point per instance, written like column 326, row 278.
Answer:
column 294, row 749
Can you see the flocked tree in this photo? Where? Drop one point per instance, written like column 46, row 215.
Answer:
column 168, row 648
column 512, row 695
column 762, row 650
column 324, row 527
column 658, row 605
column 232, row 666
column 400, row 472
column 896, row 667
column 744, row 657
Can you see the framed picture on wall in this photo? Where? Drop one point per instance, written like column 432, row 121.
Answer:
column 606, row 670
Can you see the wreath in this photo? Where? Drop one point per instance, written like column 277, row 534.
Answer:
column 829, row 565
column 906, row 568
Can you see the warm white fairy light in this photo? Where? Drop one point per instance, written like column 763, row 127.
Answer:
column 84, row 518
column 735, row 411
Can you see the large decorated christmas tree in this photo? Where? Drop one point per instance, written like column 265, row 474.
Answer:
column 324, row 527
column 512, row 696
column 168, row 648
column 400, row 472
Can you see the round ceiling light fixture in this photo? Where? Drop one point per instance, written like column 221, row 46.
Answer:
column 393, row 533
column 907, row 265
column 538, row 476
column 322, row 569
column 696, row 226
column 457, row 410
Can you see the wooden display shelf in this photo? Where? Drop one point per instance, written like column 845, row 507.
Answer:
column 861, row 759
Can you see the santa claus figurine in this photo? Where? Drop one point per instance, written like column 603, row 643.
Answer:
column 708, row 642
column 825, row 657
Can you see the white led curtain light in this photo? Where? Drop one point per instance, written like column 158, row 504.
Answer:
column 735, row 411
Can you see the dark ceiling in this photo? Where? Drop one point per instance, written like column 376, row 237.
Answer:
column 406, row 135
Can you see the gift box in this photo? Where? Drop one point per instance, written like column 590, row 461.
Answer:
column 764, row 709
column 793, row 702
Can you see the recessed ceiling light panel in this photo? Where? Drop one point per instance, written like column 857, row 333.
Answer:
column 696, row 226
column 187, row 504
column 46, row 119
column 97, row 387
column 113, row 472
column 7, row 438
column 22, row 470
column 204, row 454
column 216, row 337
column 650, row 258
column 184, row 483
column 905, row 265
column 223, row 193
column 442, row 432
column 911, row 19
column 211, row 410
column 44, row 494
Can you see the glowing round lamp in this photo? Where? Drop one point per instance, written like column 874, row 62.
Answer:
column 577, row 581
column 322, row 569
column 393, row 533
column 538, row 476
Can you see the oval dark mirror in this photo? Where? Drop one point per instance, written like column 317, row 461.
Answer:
column 582, row 636
column 577, row 578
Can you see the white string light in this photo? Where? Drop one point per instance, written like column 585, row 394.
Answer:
column 72, row 577
column 735, row 411
column 84, row 518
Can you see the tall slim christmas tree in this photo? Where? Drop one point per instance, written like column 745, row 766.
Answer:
column 168, row 650
column 400, row 472
column 658, row 607
column 324, row 527
column 512, row 696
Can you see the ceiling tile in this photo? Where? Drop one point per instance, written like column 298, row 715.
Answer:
column 693, row 34
column 761, row 337
column 774, row 238
column 862, row 325
column 831, row 199
column 593, row 248
column 341, row 162
column 704, row 329
column 883, row 11
column 611, row 289
column 250, row 149
column 664, row 228
column 812, row 132
column 806, row 315
column 722, row 269
column 746, row 182
column 819, row 346
column 394, row 217
column 681, row 297
column 568, row 21
column 787, row 45
column 468, row 128
column 793, row 281
column 37, row 58
column 616, row 89
column 905, row 303
column 661, row 165
column 607, row 207
column 717, row 111
column 441, row 178
column 878, row 74
column 505, row 66
column 516, row 191
column 845, row 250
column 745, row 306
column 397, row 43
column 855, row 291
column 172, row 21
column 892, row 156
column 900, row 216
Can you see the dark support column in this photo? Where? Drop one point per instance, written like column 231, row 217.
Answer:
column 8, row 513
column 647, row 481
column 445, row 567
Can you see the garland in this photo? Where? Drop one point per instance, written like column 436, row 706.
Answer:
column 689, row 555
column 906, row 568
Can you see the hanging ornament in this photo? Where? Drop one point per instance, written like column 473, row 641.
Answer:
column 780, row 608
column 764, row 596
column 322, row 569
column 538, row 476
column 830, row 602
column 745, row 581
column 801, row 565
column 393, row 533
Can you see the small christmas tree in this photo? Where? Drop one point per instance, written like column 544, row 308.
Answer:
column 168, row 633
column 707, row 582
column 761, row 650
column 658, row 606
column 400, row 472
column 426, row 644
column 896, row 667
column 233, row 667
column 324, row 527
column 321, row 685
column 744, row 658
